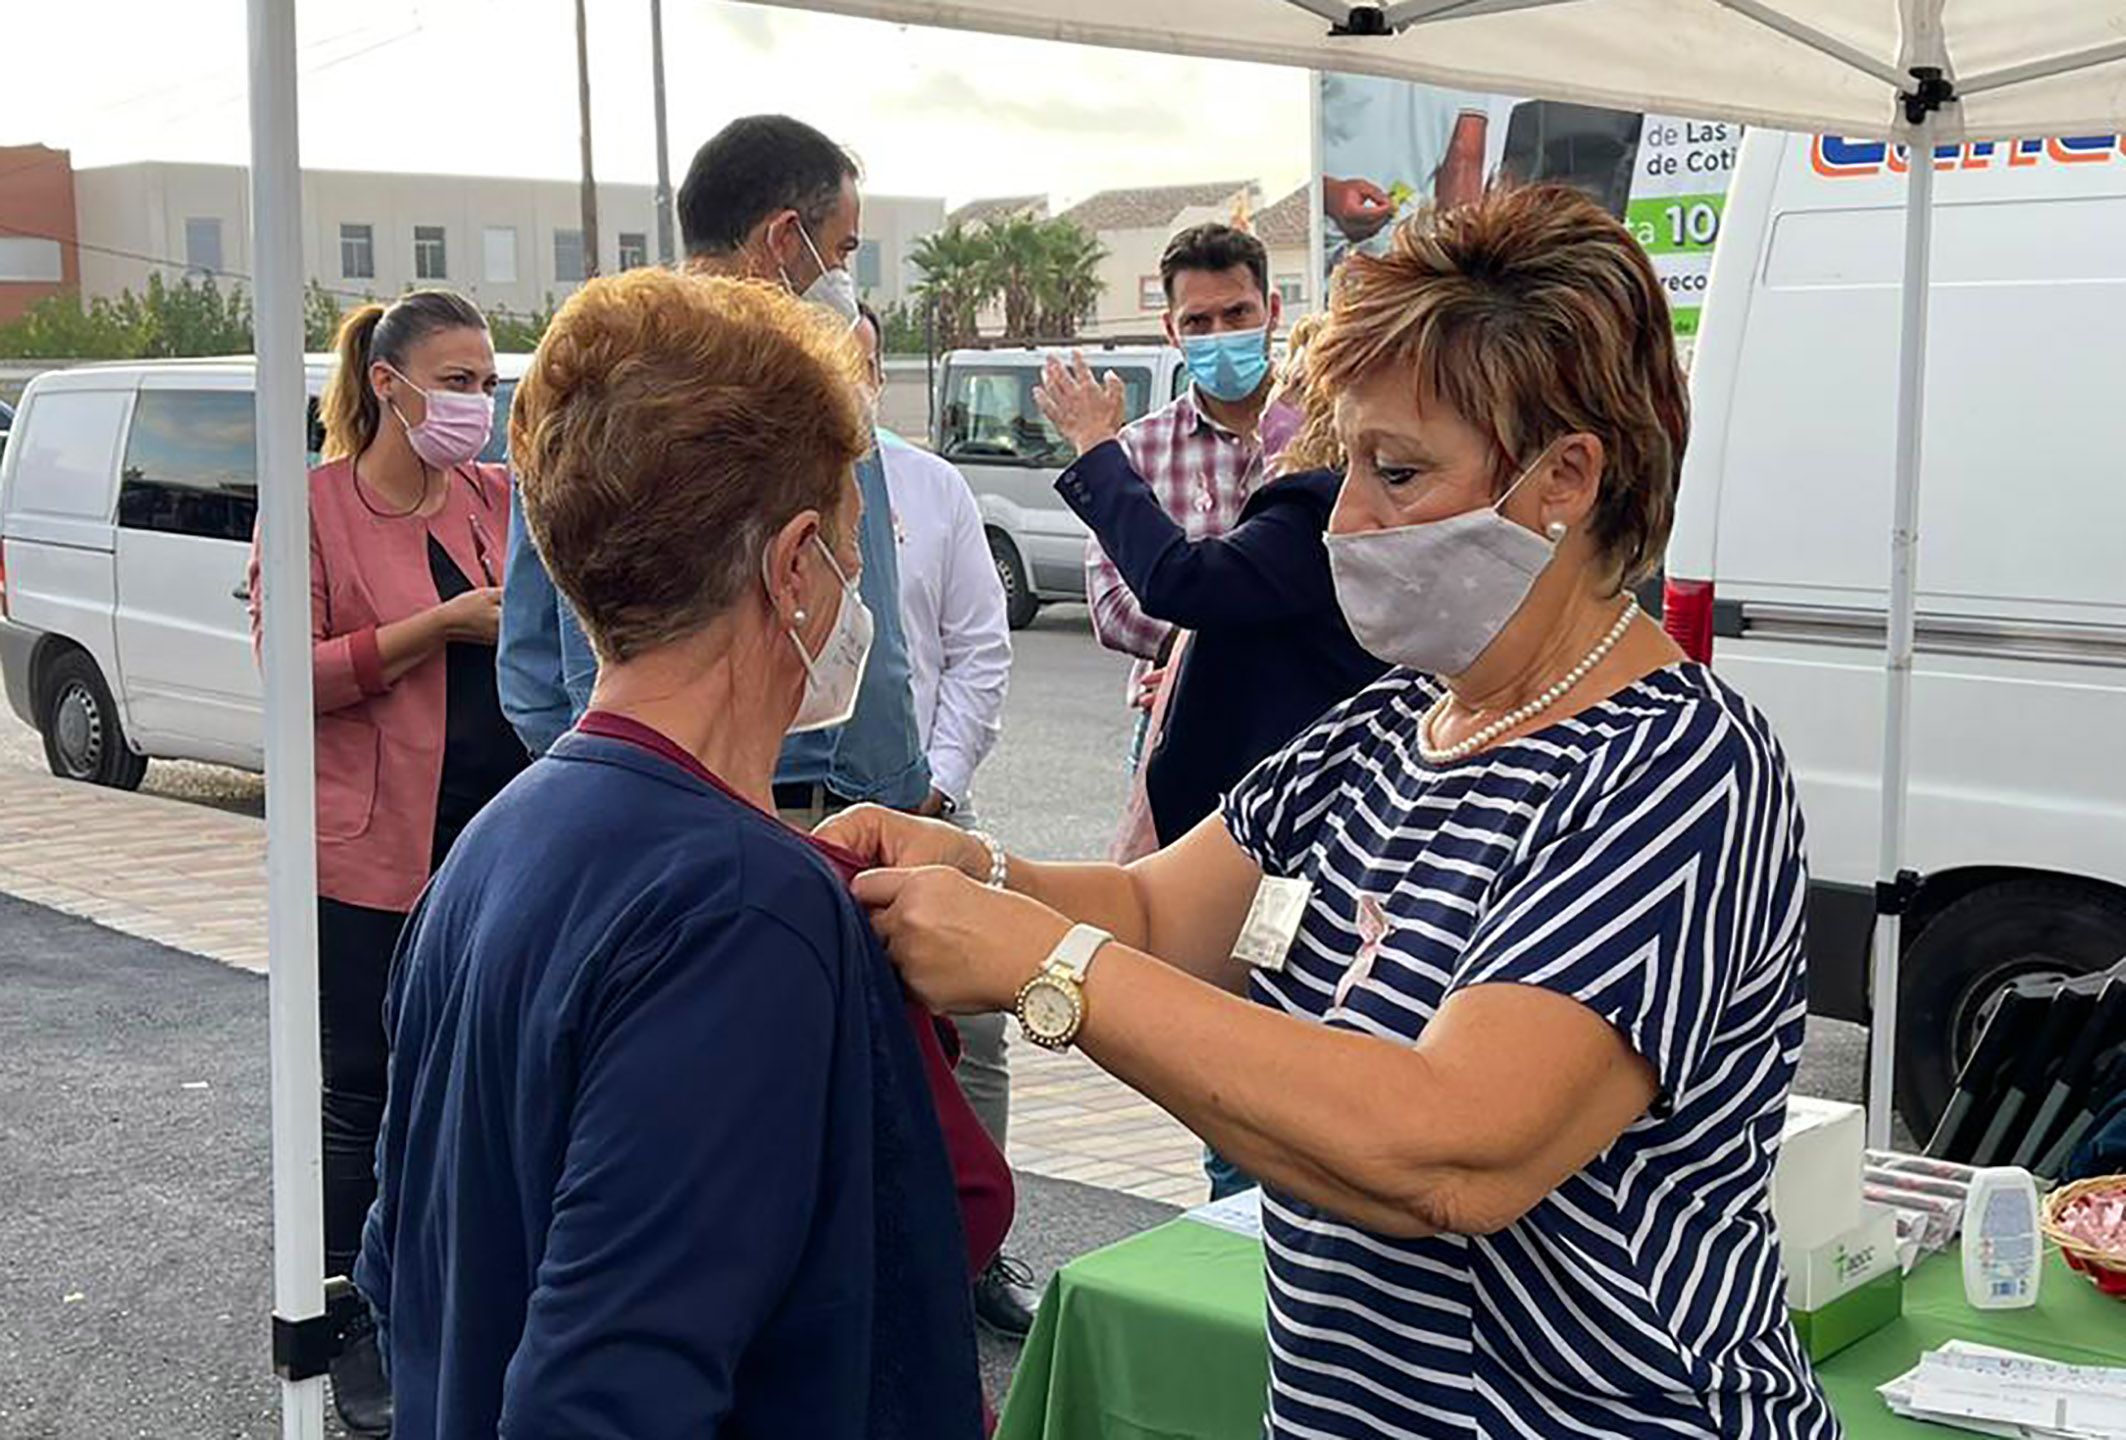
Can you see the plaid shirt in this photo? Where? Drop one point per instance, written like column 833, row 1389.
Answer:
column 1202, row 473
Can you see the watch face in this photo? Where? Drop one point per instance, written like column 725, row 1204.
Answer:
column 1049, row 1011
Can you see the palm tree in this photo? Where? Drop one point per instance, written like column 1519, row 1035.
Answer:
column 958, row 270
column 1069, row 278
column 1018, row 257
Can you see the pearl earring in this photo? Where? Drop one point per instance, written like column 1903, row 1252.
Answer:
column 1556, row 531
column 798, row 616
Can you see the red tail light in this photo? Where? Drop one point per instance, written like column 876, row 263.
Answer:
column 1687, row 616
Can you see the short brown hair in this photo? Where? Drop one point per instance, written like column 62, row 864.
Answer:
column 1532, row 314
column 668, row 425
column 1215, row 248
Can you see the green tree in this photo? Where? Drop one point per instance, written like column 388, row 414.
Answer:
column 195, row 319
column 60, row 327
column 1016, row 250
column 1067, row 277
column 958, row 271
column 905, row 332
column 188, row 318
column 514, row 333
column 321, row 317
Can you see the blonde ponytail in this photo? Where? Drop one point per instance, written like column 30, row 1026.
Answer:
column 349, row 409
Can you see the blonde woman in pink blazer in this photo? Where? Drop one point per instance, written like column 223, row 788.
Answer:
column 406, row 557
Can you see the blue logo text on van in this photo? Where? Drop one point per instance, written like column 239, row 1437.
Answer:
column 1838, row 158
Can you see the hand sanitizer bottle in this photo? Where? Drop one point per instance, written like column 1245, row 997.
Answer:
column 2003, row 1248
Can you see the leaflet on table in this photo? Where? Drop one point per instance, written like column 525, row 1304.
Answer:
column 1241, row 1213
column 1992, row 1391
column 1388, row 148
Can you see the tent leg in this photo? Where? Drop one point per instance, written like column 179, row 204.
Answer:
column 1896, row 760
column 291, row 847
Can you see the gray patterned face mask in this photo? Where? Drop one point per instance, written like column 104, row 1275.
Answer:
column 1434, row 596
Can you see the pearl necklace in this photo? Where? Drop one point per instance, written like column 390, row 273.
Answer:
column 1526, row 712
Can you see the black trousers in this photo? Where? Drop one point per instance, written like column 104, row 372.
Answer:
column 354, row 948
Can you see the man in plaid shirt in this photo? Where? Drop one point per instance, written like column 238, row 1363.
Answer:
column 1202, row 454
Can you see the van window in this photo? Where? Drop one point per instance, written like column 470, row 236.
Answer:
column 67, row 440
column 990, row 414
column 191, row 464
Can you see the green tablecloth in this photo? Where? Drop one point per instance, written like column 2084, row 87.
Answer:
column 1161, row 1338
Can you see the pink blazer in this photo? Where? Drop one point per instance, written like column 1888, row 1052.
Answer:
column 379, row 746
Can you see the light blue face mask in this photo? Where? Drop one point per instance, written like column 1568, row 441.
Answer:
column 1229, row 366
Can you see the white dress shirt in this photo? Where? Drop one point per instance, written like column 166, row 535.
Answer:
column 952, row 610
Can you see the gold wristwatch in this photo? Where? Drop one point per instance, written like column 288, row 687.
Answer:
column 1051, row 1006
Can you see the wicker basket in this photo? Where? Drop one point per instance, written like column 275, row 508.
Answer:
column 2106, row 1267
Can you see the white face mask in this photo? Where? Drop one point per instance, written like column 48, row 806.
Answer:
column 1434, row 596
column 835, row 675
column 835, row 289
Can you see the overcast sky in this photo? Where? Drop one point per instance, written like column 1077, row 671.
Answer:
column 488, row 87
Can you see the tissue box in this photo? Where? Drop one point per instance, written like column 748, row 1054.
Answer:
column 1816, row 1184
column 1846, row 1288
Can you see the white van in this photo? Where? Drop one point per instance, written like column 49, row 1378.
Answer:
column 1778, row 568
column 127, row 497
column 989, row 426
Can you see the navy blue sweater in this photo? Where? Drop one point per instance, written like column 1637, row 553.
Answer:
column 658, row 1156
column 1271, row 651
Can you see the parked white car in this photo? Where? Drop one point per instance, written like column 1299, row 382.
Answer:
column 1779, row 563
column 127, row 499
column 989, row 426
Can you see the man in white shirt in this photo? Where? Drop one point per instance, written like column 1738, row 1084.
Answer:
column 959, row 660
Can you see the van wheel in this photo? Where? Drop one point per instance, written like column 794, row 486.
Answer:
column 1020, row 603
column 1956, row 970
column 82, row 737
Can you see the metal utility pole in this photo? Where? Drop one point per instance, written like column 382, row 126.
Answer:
column 665, row 249
column 583, row 108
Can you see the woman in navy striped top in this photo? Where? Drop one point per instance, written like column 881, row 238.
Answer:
column 1514, row 1080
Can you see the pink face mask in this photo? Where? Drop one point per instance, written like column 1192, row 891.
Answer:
column 455, row 428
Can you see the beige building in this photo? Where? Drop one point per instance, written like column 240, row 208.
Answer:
column 508, row 244
column 1134, row 226
column 1286, row 231
column 976, row 214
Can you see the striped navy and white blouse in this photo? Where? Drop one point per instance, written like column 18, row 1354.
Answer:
column 1643, row 857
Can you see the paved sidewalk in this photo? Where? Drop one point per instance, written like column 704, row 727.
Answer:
column 194, row 878
column 187, row 876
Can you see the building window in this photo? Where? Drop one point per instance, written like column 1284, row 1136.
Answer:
column 1151, row 293
column 203, row 245
column 868, row 267
column 500, row 244
column 358, row 252
column 634, row 249
column 568, row 256
column 31, row 259
column 1292, row 290
column 429, row 260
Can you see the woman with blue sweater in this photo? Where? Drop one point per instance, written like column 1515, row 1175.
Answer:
column 659, row 1157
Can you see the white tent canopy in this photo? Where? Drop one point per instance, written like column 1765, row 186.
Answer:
column 2007, row 69
column 2022, row 67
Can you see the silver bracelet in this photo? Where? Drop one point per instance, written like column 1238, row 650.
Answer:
column 999, row 864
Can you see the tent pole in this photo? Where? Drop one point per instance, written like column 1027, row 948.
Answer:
column 1892, row 891
column 291, row 851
